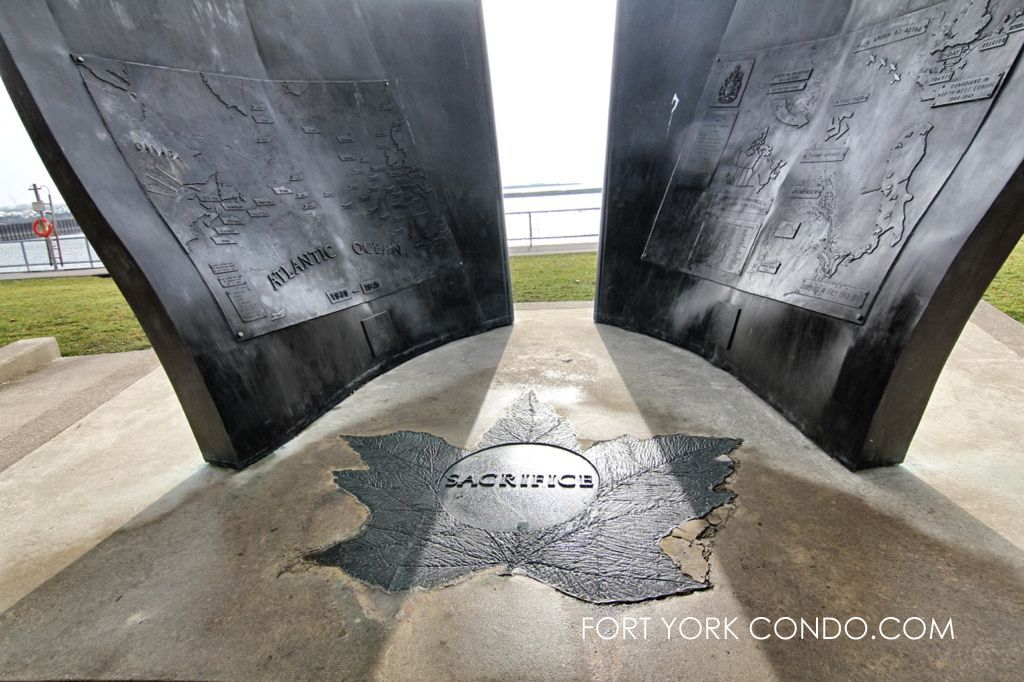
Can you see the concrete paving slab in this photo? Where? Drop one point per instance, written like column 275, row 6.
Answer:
column 89, row 480
column 522, row 249
column 46, row 274
column 124, row 556
column 1000, row 326
column 37, row 407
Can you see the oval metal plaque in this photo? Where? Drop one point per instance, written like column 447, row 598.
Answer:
column 518, row 487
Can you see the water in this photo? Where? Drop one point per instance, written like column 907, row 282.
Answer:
column 76, row 251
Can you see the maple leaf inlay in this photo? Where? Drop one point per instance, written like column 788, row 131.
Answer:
column 607, row 553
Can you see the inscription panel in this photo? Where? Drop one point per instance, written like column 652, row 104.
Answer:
column 292, row 199
column 705, row 147
column 835, row 150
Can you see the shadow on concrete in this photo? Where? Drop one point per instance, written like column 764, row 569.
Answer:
column 208, row 581
column 802, row 549
column 812, row 539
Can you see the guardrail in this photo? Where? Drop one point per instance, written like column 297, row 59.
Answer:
column 531, row 237
column 552, row 215
column 32, row 255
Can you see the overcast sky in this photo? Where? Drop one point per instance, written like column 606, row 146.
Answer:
column 20, row 166
column 550, row 74
column 550, row 71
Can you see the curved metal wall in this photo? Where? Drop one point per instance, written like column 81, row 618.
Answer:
column 293, row 197
column 814, row 196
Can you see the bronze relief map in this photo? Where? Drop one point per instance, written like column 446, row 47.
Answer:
column 808, row 166
column 293, row 199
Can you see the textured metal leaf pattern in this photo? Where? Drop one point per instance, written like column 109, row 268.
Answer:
column 608, row 553
column 531, row 421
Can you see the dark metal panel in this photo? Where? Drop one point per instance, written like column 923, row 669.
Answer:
column 794, row 21
column 205, row 36
column 466, row 172
column 663, row 49
column 853, row 374
column 244, row 397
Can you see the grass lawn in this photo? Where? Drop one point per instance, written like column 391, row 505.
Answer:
column 86, row 314
column 554, row 277
column 89, row 315
column 1007, row 290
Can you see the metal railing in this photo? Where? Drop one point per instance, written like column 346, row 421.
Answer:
column 531, row 237
column 31, row 255
column 555, row 221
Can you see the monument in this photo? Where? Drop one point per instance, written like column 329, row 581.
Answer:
column 293, row 197
column 296, row 197
column 814, row 199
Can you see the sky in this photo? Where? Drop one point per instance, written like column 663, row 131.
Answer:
column 550, row 66
column 550, row 77
column 20, row 165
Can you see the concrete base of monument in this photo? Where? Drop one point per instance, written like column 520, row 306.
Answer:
column 123, row 555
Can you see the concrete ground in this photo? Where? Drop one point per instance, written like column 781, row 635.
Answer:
column 123, row 556
column 37, row 407
column 567, row 246
column 46, row 274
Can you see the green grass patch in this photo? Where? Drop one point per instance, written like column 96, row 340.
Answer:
column 89, row 315
column 86, row 314
column 1007, row 289
column 554, row 277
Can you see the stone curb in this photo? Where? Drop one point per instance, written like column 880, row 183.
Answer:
column 26, row 356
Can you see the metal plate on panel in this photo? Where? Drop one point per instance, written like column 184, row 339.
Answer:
column 380, row 333
column 311, row 193
column 850, row 138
